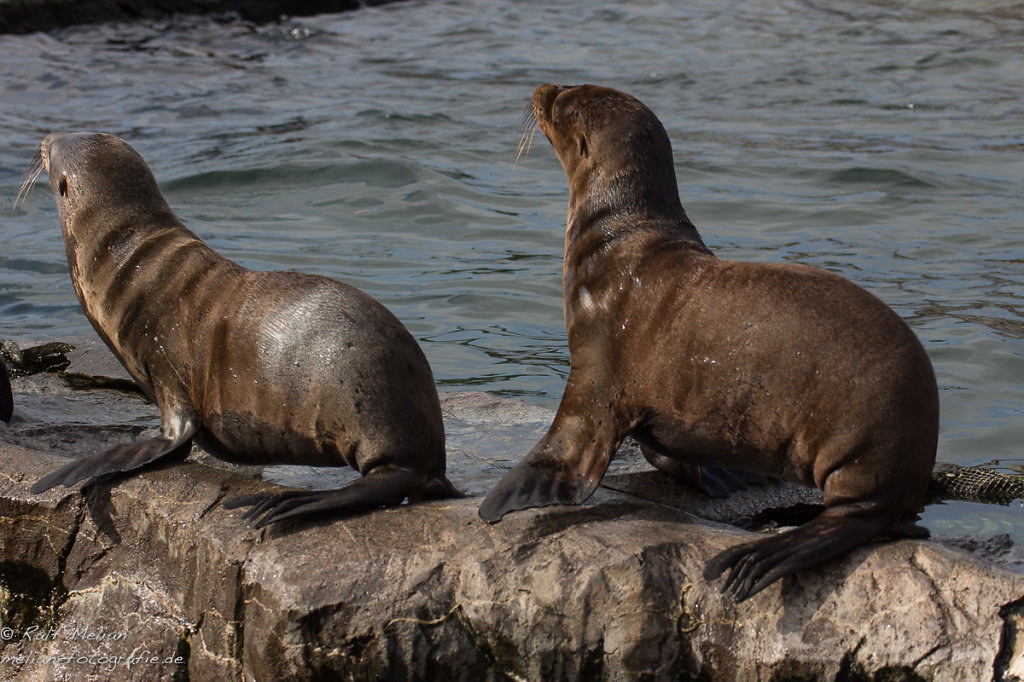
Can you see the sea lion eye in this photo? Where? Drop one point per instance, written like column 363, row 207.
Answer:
column 582, row 142
column 62, row 186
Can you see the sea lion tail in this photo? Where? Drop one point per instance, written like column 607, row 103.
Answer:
column 439, row 488
column 535, row 483
column 383, row 486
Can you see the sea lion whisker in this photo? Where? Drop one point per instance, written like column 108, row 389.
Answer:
column 525, row 143
column 528, row 119
column 28, row 180
column 528, row 127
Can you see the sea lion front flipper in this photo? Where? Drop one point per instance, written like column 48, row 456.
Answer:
column 6, row 397
column 380, row 487
column 176, row 437
column 531, row 484
column 565, row 467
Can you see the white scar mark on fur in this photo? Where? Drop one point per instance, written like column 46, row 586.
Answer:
column 585, row 300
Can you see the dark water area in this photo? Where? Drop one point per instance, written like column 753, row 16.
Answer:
column 881, row 140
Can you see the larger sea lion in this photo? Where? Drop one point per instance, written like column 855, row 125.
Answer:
column 782, row 370
column 256, row 367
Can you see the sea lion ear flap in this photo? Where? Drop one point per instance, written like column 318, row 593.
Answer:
column 581, row 143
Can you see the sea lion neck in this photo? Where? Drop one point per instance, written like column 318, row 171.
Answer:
column 610, row 233
column 625, row 189
column 603, row 222
column 619, row 213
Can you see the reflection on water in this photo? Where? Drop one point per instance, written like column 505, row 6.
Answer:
column 882, row 141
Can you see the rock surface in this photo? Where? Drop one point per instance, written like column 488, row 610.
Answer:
column 148, row 577
column 29, row 16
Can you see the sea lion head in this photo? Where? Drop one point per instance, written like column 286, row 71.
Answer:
column 615, row 152
column 98, row 180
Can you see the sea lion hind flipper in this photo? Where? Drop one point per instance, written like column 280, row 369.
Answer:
column 260, row 502
column 534, row 484
column 720, row 482
column 116, row 459
column 712, row 481
column 381, row 487
column 755, row 565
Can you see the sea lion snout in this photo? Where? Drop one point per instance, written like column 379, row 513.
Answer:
column 544, row 100
column 56, row 147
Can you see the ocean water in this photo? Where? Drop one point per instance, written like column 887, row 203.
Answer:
column 883, row 141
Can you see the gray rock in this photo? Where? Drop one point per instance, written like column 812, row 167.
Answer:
column 148, row 577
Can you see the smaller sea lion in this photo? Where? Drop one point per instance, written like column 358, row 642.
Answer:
column 785, row 371
column 256, row 367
